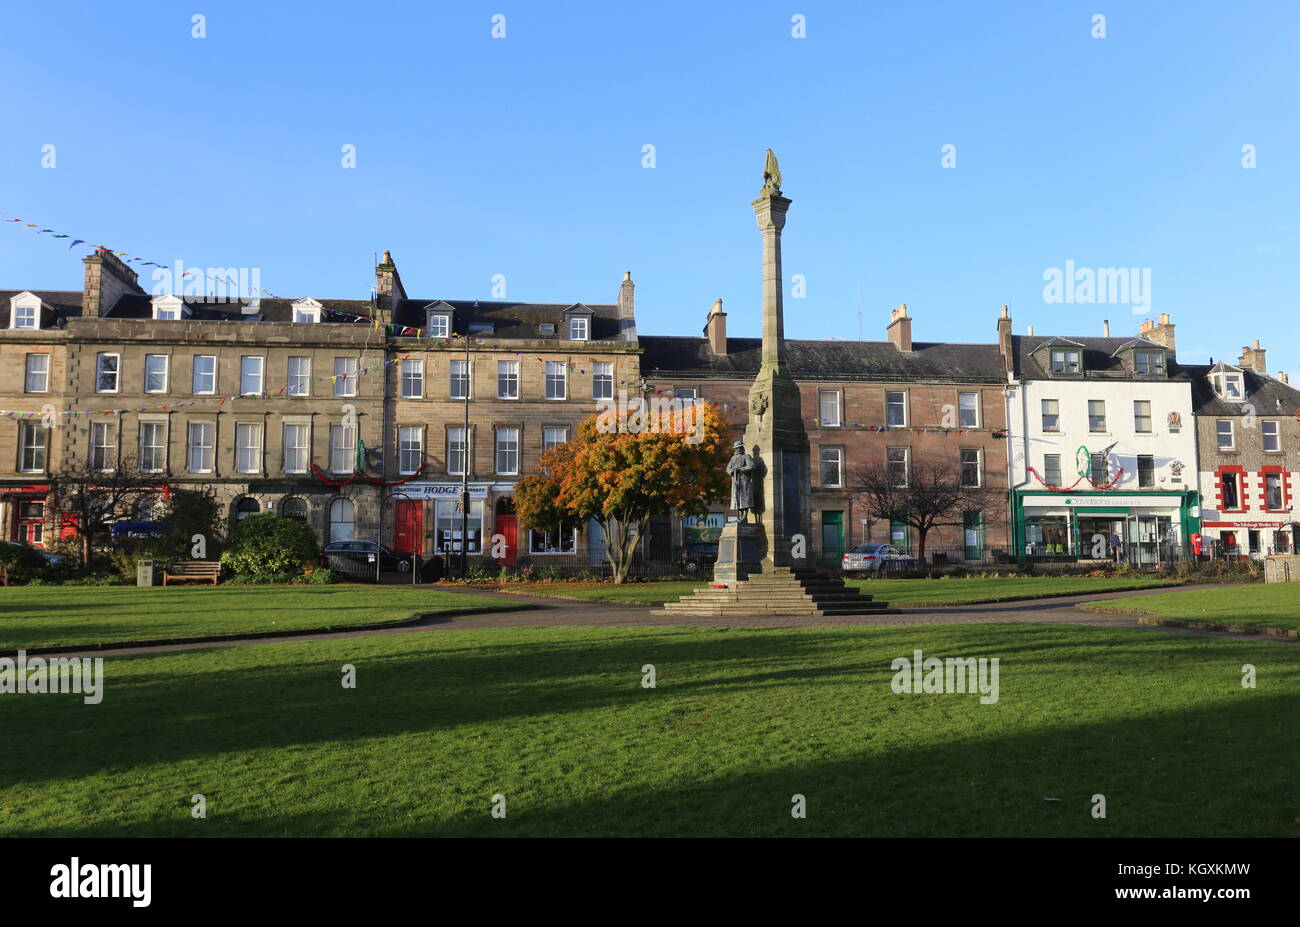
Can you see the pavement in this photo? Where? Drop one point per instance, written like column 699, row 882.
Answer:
column 550, row 612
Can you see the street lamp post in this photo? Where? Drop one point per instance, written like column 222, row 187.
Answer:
column 464, row 477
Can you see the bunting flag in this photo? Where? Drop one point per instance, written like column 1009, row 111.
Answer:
column 1111, row 485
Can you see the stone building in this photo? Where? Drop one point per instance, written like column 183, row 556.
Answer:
column 1103, row 444
column 1248, row 436
column 893, row 402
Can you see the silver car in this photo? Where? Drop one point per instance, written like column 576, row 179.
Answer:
column 871, row 558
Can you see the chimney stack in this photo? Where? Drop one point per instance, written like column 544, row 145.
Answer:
column 716, row 330
column 1004, row 340
column 105, row 281
column 1161, row 332
column 1105, row 328
column 388, row 288
column 1253, row 357
column 900, row 328
column 626, row 315
column 1284, row 378
column 1030, row 331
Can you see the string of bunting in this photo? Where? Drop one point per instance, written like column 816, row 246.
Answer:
column 1118, row 476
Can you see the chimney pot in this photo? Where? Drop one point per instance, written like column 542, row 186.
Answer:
column 1105, row 328
column 715, row 329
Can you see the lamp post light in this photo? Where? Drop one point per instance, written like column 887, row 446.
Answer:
column 464, row 478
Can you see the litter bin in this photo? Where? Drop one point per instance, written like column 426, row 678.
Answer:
column 144, row 573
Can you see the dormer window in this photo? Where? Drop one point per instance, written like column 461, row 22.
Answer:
column 579, row 328
column 1228, row 384
column 439, row 325
column 307, row 311
column 169, row 308
column 25, row 311
column 1065, row 360
column 1149, row 363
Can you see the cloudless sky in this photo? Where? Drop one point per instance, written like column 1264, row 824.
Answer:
column 523, row 156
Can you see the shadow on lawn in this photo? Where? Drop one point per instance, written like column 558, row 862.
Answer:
column 1230, row 767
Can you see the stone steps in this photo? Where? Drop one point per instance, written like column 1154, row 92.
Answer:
column 797, row 591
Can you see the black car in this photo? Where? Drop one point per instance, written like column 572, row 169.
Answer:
column 357, row 558
column 698, row 557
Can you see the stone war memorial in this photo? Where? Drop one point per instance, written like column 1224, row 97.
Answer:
column 763, row 566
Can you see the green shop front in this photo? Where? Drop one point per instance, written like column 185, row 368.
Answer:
column 1152, row 526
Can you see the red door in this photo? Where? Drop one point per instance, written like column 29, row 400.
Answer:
column 408, row 536
column 508, row 527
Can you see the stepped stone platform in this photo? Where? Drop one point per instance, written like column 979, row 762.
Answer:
column 783, row 591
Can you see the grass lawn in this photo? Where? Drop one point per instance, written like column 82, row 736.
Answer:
column 44, row 616
column 906, row 592
column 557, row 721
column 1276, row 605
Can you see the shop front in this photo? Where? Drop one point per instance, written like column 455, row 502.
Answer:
column 23, row 512
column 1256, row 537
column 428, row 518
column 1142, row 529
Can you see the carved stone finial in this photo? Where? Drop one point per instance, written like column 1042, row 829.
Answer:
column 771, row 175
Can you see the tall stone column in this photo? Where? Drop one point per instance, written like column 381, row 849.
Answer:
column 775, row 435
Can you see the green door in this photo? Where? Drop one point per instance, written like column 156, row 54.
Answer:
column 832, row 535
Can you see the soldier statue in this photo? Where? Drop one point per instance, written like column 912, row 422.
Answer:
column 741, row 468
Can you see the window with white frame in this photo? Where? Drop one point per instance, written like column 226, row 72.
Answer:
column 561, row 541
column 345, row 376
column 507, row 456
column 1142, row 416
column 248, row 447
column 438, row 325
column 554, row 436
column 579, row 327
column 410, row 453
column 895, row 408
column 306, row 313
column 299, row 376
column 828, row 408
column 1052, row 470
column 508, row 379
column 602, row 380
column 250, row 375
column 297, row 438
column 205, row 375
column 168, row 308
column 103, row 446
column 460, row 379
column 455, row 450
column 106, row 372
column 557, row 380
column 413, row 378
column 153, row 448
column 897, row 466
column 970, row 467
column 200, row 453
column 1273, row 491
column 1223, row 434
column 37, row 374
column 343, row 449
column 342, row 520
column 1271, row 434
column 31, row 447
column 832, row 467
column 1229, row 385
column 1097, row 415
column 25, row 311
column 155, row 373
column 968, row 410
column 1051, row 414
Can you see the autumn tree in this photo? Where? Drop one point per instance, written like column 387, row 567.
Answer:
column 622, row 468
column 924, row 496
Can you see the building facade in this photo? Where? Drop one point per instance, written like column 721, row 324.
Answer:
column 1248, row 433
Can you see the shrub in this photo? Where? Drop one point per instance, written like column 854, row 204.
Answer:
column 319, row 578
column 267, row 545
column 25, row 563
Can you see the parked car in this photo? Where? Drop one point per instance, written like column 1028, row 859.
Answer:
column 357, row 558
column 874, row 558
column 51, row 559
column 698, row 557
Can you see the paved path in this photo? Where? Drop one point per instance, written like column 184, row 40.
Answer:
column 566, row 612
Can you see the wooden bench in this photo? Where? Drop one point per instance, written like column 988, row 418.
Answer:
column 185, row 570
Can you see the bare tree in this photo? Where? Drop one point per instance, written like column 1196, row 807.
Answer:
column 88, row 501
column 926, row 495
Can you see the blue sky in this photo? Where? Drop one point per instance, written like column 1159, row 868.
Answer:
column 523, row 156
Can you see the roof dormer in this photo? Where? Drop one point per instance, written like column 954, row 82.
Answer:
column 25, row 311
column 1146, row 359
column 1060, row 357
column 307, row 310
column 169, row 308
column 438, row 319
column 577, row 322
column 1229, row 382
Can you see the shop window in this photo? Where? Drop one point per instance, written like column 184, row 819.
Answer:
column 552, row 542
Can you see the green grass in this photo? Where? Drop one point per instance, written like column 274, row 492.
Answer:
column 45, row 616
column 1276, row 605
column 906, row 592
column 557, row 721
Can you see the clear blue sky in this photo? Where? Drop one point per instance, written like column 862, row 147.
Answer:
column 523, row 156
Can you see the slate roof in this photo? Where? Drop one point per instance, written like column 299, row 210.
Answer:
column 65, row 303
column 1263, row 394
column 684, row 357
column 1097, row 356
column 511, row 320
column 140, row 306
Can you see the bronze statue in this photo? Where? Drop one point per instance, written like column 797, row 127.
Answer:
column 771, row 175
column 740, row 468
